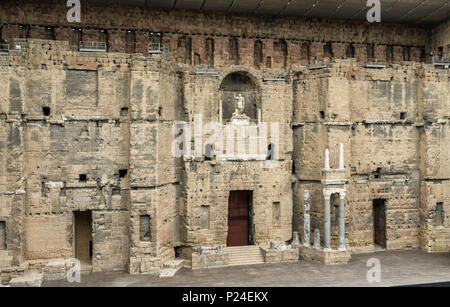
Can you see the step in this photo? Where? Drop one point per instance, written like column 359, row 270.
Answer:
column 245, row 255
column 247, row 247
column 171, row 267
column 246, row 259
column 246, row 263
column 165, row 273
column 86, row 267
column 187, row 264
column 252, row 250
column 174, row 264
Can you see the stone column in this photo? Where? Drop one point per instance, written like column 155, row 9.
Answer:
column 316, row 238
column 342, row 221
column 327, row 223
column 306, row 220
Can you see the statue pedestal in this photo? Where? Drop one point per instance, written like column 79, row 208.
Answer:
column 240, row 120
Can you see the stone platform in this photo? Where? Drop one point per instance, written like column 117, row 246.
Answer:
column 325, row 256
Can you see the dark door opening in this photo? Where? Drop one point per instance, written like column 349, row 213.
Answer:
column 379, row 222
column 239, row 218
column 83, row 235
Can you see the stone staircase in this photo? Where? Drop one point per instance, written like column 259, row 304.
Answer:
column 171, row 267
column 245, row 255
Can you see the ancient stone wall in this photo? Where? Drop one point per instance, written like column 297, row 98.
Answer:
column 395, row 149
column 68, row 125
column 217, row 39
column 434, row 161
column 93, row 131
column 155, row 106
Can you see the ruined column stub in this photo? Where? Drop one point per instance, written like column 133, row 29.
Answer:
column 306, row 226
column 316, row 238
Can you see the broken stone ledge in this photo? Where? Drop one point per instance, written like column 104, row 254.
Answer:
column 325, row 256
column 289, row 254
column 208, row 260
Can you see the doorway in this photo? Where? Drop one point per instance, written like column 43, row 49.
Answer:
column 83, row 236
column 379, row 222
column 239, row 219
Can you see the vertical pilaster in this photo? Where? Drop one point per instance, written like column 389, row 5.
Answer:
column 341, row 156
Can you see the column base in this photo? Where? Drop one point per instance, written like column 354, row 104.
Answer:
column 326, row 256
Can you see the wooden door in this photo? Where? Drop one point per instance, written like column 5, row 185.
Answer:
column 238, row 218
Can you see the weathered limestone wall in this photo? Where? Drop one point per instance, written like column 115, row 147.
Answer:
column 109, row 117
column 155, row 106
column 208, row 183
column 435, row 159
column 215, row 39
column 380, row 118
column 84, row 133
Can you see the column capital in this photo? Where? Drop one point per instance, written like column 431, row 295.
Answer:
column 327, row 193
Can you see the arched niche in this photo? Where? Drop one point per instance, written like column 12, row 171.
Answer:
column 236, row 83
